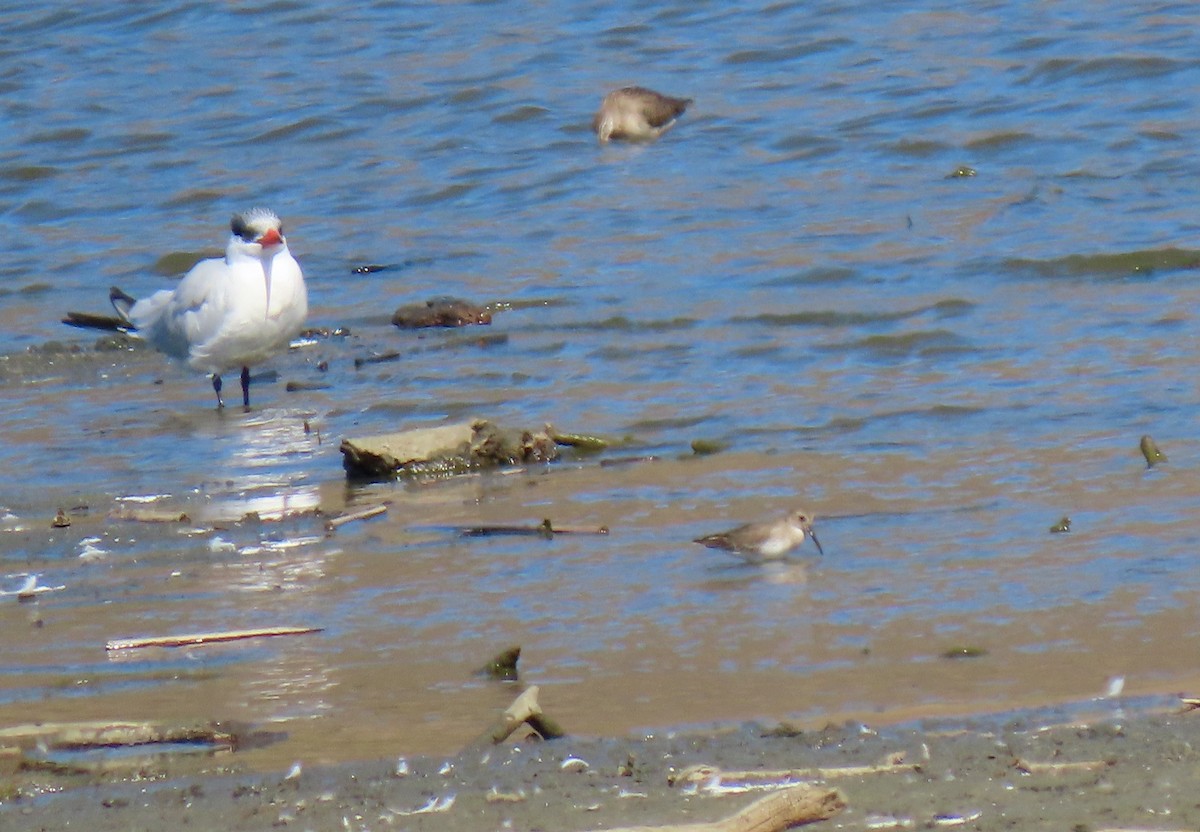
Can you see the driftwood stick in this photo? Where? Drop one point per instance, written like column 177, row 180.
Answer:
column 794, row 806
column 524, row 708
column 82, row 735
column 702, row 773
column 1031, row 767
column 206, row 638
column 148, row 515
column 542, row 529
column 362, row 514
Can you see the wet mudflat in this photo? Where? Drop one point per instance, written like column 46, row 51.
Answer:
column 1086, row 769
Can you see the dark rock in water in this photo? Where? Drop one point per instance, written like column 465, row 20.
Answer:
column 444, row 451
column 441, row 312
column 1151, row 452
column 503, row 665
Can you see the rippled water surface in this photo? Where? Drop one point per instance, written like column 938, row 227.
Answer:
column 938, row 365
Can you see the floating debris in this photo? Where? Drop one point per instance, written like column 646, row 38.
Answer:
column 61, row 520
column 88, row 320
column 145, row 515
column 544, row 529
column 1062, row 526
column 1151, row 452
column 706, row 447
column 441, row 312
column 378, row 358
column 961, row 172
column 503, row 665
column 362, row 514
column 206, row 638
column 306, row 386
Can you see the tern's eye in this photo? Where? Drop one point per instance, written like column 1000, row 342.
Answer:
column 239, row 228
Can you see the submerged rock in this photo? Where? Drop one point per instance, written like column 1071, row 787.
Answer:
column 441, row 312
column 445, row 450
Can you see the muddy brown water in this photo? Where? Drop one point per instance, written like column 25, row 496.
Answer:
column 938, row 367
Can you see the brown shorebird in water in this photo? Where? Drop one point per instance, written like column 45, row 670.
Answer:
column 759, row 542
column 637, row 114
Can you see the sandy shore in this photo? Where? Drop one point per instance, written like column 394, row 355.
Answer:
column 1109, row 765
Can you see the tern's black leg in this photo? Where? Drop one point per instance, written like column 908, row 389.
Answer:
column 217, row 388
column 246, row 387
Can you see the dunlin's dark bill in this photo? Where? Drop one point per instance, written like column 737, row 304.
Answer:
column 768, row 540
column 637, row 114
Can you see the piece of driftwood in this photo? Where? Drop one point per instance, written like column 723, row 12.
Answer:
column 444, row 450
column 730, row 781
column 524, row 710
column 149, row 515
column 305, row 386
column 362, row 514
column 794, row 806
column 542, row 529
column 206, row 638
column 78, row 736
column 378, row 358
column 1032, row 767
column 89, row 320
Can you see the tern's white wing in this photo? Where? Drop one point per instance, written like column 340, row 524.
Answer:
column 178, row 320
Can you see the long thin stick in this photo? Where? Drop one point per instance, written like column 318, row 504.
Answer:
column 362, row 514
column 206, row 638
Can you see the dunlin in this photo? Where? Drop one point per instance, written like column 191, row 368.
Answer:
column 637, row 114
column 768, row 540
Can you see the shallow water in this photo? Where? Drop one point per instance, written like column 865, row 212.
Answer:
column 938, row 366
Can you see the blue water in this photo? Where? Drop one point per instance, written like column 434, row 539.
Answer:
column 939, row 366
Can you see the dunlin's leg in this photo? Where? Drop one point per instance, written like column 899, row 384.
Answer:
column 217, row 389
column 246, row 387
